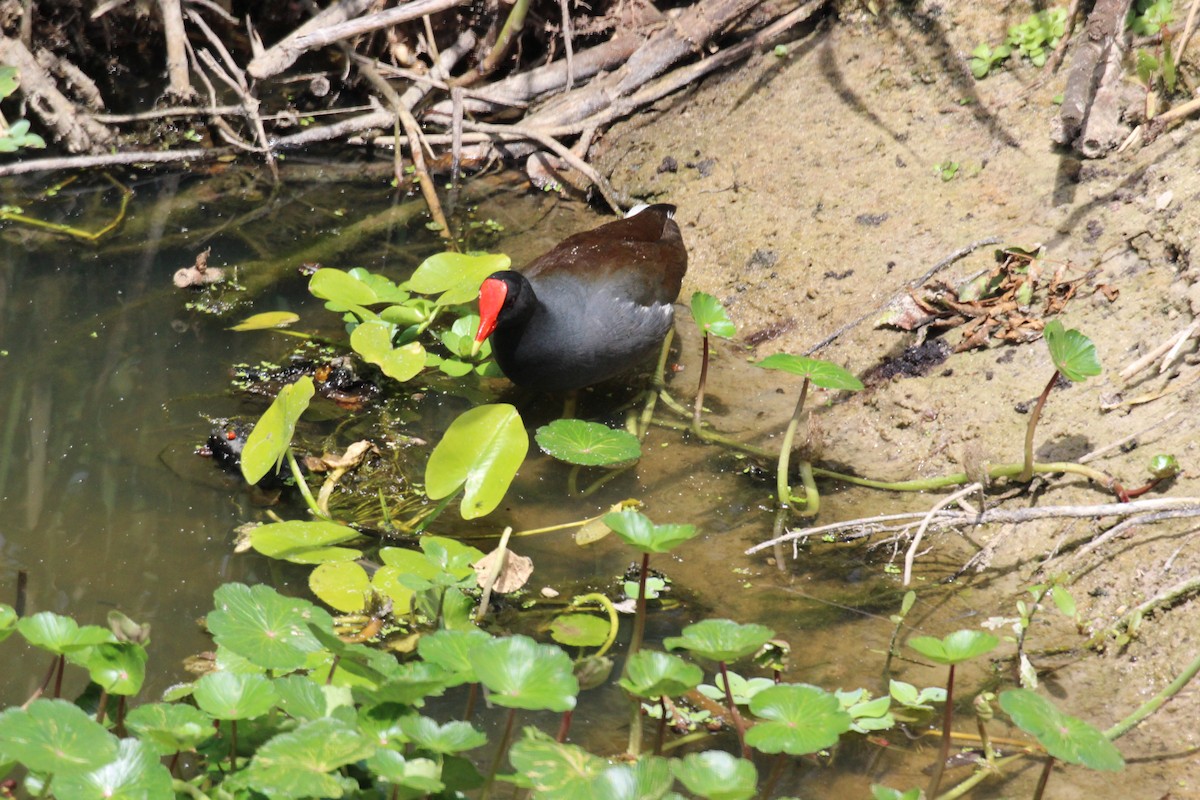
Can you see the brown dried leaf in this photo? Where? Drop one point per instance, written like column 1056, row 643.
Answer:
column 514, row 572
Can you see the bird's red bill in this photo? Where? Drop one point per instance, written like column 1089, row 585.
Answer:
column 491, row 299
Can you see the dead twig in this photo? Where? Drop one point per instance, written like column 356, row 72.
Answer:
column 911, row 555
column 1171, row 346
column 337, row 23
column 946, row 518
column 196, row 154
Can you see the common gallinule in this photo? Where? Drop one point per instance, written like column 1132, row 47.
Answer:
column 591, row 308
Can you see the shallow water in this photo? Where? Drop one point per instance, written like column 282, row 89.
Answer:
column 111, row 382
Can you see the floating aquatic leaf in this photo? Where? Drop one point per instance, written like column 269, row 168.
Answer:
column 588, row 444
column 341, row 585
column 579, row 630
column 305, row 541
column 266, row 321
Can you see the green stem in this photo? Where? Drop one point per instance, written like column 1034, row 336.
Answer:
column 935, row 781
column 658, row 386
column 961, row 478
column 302, row 485
column 639, row 616
column 783, row 491
column 812, row 499
column 613, row 619
column 508, row 33
column 1044, row 778
column 1027, row 472
column 734, row 715
column 1154, row 703
column 501, row 749
column 634, row 748
column 698, row 408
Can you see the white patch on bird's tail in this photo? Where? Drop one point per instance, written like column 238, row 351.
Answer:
column 640, row 207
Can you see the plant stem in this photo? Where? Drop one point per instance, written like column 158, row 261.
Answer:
column 1034, row 416
column 564, row 726
column 935, row 782
column 1043, row 778
column 783, row 491
column 698, row 408
column 1154, row 703
column 773, row 776
column 639, row 616
column 634, row 748
column 302, row 485
column 812, row 499
column 662, row 725
column 233, row 745
column 501, row 749
column 658, row 387
column 735, row 716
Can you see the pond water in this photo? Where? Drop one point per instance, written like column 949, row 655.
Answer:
column 111, row 381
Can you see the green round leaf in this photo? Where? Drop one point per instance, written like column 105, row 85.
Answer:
column 170, row 727
column 341, row 585
column 54, row 736
column 710, row 316
column 117, row 667
column 797, row 719
column 825, row 374
column 8, row 621
column 1072, row 353
column 555, row 770
column 588, row 444
column 455, row 276
column 341, row 288
column 520, row 673
column 1065, row 737
column 956, row 648
column 299, row 763
column 234, row 695
column 264, row 627
column 419, row 775
column 134, row 774
column 481, row 451
column 720, row 639
column 579, row 630
column 61, row 635
column 651, row 674
column 717, row 775
column 451, row 650
column 637, row 531
column 373, row 341
column 431, row 736
column 304, row 541
column 272, row 434
column 266, row 321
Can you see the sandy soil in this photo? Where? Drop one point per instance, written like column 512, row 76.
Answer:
column 808, row 195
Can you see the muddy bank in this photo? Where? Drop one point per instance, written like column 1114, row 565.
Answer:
column 809, row 193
